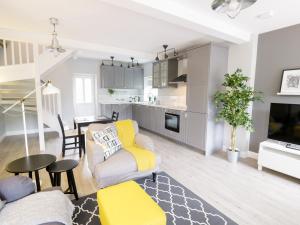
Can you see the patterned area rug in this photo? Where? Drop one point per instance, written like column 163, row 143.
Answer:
column 181, row 206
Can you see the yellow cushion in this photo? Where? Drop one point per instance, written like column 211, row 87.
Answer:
column 128, row 204
column 145, row 159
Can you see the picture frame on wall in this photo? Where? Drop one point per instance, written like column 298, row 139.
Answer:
column 290, row 83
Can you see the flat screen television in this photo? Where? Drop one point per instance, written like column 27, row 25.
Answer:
column 284, row 123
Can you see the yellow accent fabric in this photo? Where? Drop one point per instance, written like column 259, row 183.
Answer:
column 128, row 204
column 145, row 159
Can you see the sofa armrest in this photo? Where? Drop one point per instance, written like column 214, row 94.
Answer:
column 144, row 141
column 95, row 154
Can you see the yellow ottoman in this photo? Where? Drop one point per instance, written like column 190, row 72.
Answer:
column 128, row 204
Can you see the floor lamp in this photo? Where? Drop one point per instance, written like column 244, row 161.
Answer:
column 47, row 89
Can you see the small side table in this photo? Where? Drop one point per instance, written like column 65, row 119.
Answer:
column 55, row 170
column 29, row 164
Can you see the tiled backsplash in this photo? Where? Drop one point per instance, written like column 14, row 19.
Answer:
column 173, row 96
column 120, row 94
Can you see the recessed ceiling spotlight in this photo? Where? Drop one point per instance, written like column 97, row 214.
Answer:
column 265, row 15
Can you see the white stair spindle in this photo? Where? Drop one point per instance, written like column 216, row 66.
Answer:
column 27, row 52
column 4, row 52
column 20, row 53
column 13, row 52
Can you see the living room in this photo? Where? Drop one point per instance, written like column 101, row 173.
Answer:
column 189, row 117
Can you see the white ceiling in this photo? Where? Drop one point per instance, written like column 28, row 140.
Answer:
column 286, row 13
column 140, row 27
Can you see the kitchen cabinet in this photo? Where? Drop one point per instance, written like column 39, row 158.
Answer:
column 138, row 79
column 128, row 78
column 206, row 67
column 118, row 77
column 121, row 77
column 163, row 72
column 196, row 129
column 107, row 76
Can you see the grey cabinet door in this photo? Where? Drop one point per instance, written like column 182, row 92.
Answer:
column 128, row 78
column 164, row 74
column 156, row 75
column 196, row 130
column 138, row 81
column 107, row 76
column 197, row 98
column 119, row 77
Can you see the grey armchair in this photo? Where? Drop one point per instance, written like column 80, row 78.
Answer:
column 119, row 167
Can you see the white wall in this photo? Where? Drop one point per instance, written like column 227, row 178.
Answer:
column 62, row 78
column 244, row 57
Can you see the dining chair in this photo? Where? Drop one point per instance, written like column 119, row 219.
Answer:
column 69, row 134
column 115, row 116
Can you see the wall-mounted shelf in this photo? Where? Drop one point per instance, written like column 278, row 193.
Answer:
column 288, row 93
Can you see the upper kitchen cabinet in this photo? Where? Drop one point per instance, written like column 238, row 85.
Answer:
column 118, row 76
column 121, row 77
column 128, row 78
column 138, row 80
column 107, row 76
column 164, row 72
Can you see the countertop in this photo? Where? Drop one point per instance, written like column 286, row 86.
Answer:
column 115, row 102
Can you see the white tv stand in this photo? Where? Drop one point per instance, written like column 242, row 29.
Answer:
column 276, row 156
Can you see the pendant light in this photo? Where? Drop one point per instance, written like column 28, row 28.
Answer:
column 54, row 46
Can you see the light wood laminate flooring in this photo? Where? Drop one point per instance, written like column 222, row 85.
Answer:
column 240, row 191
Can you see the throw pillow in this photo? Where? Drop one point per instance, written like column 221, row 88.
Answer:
column 2, row 203
column 109, row 141
column 16, row 187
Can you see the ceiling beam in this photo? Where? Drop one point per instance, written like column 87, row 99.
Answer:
column 84, row 49
column 172, row 12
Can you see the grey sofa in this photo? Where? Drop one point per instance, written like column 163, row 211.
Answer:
column 17, row 191
column 119, row 167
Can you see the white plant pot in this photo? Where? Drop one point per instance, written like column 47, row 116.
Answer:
column 233, row 156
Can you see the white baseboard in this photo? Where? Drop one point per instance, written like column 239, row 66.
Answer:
column 253, row 155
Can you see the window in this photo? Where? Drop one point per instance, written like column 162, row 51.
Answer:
column 83, row 90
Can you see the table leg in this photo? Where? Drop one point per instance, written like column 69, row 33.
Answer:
column 16, row 174
column 73, row 184
column 51, row 179
column 30, row 174
column 37, row 180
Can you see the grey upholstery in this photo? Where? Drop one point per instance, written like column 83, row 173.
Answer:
column 119, row 167
column 16, row 187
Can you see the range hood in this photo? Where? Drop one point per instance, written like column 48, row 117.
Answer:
column 180, row 79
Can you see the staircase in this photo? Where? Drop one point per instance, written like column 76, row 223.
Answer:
column 22, row 66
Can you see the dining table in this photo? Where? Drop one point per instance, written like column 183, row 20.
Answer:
column 84, row 121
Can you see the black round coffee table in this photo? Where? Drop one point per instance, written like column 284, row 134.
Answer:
column 29, row 164
column 67, row 166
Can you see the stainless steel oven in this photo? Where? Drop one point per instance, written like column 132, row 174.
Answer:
column 172, row 122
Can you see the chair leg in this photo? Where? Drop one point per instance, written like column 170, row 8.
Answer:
column 63, row 148
column 154, row 175
column 80, row 146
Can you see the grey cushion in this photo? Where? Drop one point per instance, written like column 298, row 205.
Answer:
column 2, row 203
column 16, row 187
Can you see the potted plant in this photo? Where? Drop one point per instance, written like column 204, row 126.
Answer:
column 232, row 104
column 110, row 91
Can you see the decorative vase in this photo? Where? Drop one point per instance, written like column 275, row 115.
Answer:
column 233, row 156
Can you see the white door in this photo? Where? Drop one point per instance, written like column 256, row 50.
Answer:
column 84, row 94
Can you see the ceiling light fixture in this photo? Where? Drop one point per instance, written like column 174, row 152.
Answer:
column 112, row 60
column 165, row 52
column 54, row 46
column 231, row 7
